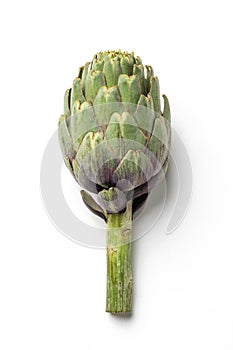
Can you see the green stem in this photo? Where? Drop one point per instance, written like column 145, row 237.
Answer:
column 119, row 261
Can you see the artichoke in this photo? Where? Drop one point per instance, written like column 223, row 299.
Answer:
column 115, row 141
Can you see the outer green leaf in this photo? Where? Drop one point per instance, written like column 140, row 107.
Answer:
column 130, row 91
column 166, row 110
column 158, row 143
column 107, row 102
column 65, row 139
column 126, row 67
column 112, row 70
column 112, row 200
column 144, row 115
column 82, row 121
column 129, row 129
column 76, row 91
column 96, row 158
column 123, row 134
column 97, row 65
column 135, row 167
column 67, row 103
column 149, row 75
column 75, row 107
column 155, row 94
column 138, row 70
column 113, row 130
column 113, row 134
column 94, row 81
column 84, row 73
column 160, row 130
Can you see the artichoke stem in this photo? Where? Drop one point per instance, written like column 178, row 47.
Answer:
column 119, row 261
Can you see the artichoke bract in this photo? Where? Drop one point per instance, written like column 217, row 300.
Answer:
column 115, row 141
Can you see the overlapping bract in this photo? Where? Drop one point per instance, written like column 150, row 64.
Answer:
column 114, row 138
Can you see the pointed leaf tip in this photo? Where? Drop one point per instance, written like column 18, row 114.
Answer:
column 166, row 109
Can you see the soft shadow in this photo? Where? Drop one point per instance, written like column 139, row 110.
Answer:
column 169, row 200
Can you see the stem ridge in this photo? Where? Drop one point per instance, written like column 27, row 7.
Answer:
column 119, row 261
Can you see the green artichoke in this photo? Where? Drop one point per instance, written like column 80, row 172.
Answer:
column 115, row 141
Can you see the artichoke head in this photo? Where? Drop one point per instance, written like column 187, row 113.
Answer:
column 114, row 137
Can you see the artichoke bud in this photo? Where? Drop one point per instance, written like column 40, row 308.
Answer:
column 114, row 138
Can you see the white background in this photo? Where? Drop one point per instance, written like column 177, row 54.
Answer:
column 52, row 291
